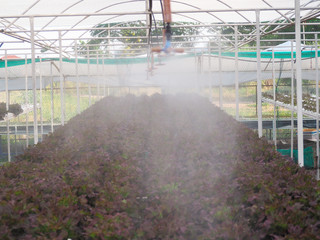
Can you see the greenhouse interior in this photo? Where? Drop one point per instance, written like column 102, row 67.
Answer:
column 159, row 119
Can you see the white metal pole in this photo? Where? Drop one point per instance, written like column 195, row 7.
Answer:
column 88, row 65
column 299, row 83
column 104, row 77
column 220, row 76
column 292, row 99
column 7, row 104
column 148, row 13
column 34, row 79
column 274, row 125
column 41, row 112
column 259, row 95
column 15, row 140
column 61, row 80
column 210, row 71
column 77, row 76
column 26, row 100
column 98, row 84
column 52, row 99
column 237, row 71
column 317, row 101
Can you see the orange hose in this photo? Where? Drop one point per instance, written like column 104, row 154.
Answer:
column 167, row 11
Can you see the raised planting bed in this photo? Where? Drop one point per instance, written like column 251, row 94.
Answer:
column 160, row 167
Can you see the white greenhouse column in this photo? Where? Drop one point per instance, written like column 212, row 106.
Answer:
column 89, row 84
column 220, row 76
column 98, row 84
column 104, row 77
column 292, row 99
column 52, row 99
column 34, row 79
column 210, row 71
column 148, row 35
column 61, row 80
column 274, row 123
column 77, row 76
column 317, row 102
column 259, row 95
column 26, row 99
column 7, row 104
column 41, row 106
column 299, row 83
column 237, row 71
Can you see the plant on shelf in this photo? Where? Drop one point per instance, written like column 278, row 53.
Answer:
column 15, row 109
column 308, row 101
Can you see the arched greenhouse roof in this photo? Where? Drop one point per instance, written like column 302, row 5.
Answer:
column 73, row 19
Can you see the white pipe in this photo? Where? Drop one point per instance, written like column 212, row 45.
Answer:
column 7, row 104
column 237, row 71
column 104, row 76
column 52, row 99
column 155, row 12
column 41, row 106
column 292, row 99
column 274, row 123
column 210, row 71
column 26, row 100
column 317, row 102
column 220, row 76
column 299, row 83
column 77, row 76
column 98, row 85
column 89, row 85
column 259, row 95
column 34, row 79
column 61, row 80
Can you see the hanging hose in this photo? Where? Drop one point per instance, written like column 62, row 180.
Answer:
column 164, row 23
column 150, row 18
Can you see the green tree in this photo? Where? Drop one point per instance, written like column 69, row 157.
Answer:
column 133, row 35
column 273, row 34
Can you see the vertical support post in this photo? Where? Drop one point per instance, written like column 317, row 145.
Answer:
column 220, row 75
column 26, row 100
column 109, row 41
column 274, row 123
column 7, row 104
column 34, row 79
column 237, row 71
column 98, row 83
column 88, row 65
column 259, row 95
column 52, row 100
column 77, row 77
column 41, row 112
column 15, row 140
column 292, row 99
column 210, row 71
column 317, row 102
column 104, row 77
column 148, row 19
column 304, row 34
column 299, row 83
column 61, row 80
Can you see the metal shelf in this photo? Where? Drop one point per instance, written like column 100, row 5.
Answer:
column 289, row 106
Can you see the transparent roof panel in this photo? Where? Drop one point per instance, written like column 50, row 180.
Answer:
column 81, row 15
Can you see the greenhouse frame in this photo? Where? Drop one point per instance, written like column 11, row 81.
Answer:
column 48, row 48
